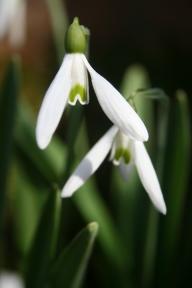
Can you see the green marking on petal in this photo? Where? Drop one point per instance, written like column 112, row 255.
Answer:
column 124, row 154
column 80, row 92
column 118, row 154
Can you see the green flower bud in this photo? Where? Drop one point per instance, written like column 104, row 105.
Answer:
column 76, row 38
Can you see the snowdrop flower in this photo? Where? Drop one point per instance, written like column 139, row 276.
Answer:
column 70, row 85
column 13, row 21
column 10, row 280
column 125, row 152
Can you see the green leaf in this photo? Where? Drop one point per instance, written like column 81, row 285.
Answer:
column 138, row 223
column 92, row 207
column 152, row 227
column 176, row 175
column 44, row 244
column 128, row 194
column 150, row 247
column 152, row 93
column 43, row 166
column 136, row 84
column 34, row 168
column 75, row 120
column 69, row 269
column 27, row 204
column 135, row 78
column 8, row 107
column 59, row 21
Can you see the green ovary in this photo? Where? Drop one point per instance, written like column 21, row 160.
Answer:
column 124, row 154
column 78, row 90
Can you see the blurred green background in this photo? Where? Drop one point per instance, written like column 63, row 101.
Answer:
column 134, row 45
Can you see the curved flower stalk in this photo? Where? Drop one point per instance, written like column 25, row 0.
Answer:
column 125, row 152
column 10, row 280
column 71, row 85
column 13, row 21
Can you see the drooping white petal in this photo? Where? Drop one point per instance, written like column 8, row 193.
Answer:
column 118, row 110
column 120, row 152
column 54, row 103
column 7, row 9
column 79, row 86
column 125, row 170
column 17, row 32
column 148, row 175
column 90, row 163
column 10, row 280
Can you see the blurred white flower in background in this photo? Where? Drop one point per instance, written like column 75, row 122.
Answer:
column 10, row 280
column 125, row 152
column 13, row 21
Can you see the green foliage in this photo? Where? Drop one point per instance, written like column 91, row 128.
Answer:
column 69, row 268
column 136, row 246
column 44, row 244
column 59, row 22
column 8, row 107
column 176, row 176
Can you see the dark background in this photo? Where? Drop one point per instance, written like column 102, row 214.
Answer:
column 157, row 34
column 154, row 33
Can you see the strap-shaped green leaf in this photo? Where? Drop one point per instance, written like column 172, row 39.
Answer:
column 176, row 175
column 93, row 208
column 59, row 22
column 69, row 269
column 128, row 194
column 44, row 244
column 43, row 166
column 8, row 104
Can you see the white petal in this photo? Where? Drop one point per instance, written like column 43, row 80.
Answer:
column 54, row 103
column 10, row 280
column 90, row 163
column 6, row 10
column 125, row 170
column 79, row 78
column 148, row 175
column 18, row 24
column 118, row 110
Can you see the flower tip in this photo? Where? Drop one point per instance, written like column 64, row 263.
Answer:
column 76, row 20
column 66, row 192
column 42, row 142
column 42, row 145
column 163, row 209
column 145, row 135
column 142, row 135
column 93, row 228
column 65, row 195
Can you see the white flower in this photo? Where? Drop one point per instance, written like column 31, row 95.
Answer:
column 13, row 21
column 71, row 85
column 124, row 152
column 10, row 280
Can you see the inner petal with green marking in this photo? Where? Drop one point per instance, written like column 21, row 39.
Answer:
column 121, row 149
column 79, row 87
column 78, row 93
column 122, row 154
